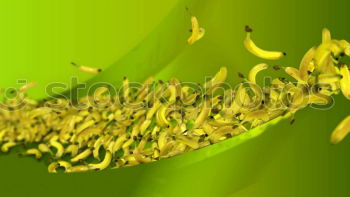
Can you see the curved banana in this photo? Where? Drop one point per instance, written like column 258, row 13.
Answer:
column 197, row 32
column 205, row 111
column 119, row 142
column 64, row 164
column 341, row 131
column 35, row 152
column 255, row 50
column 79, row 168
column 87, row 69
column 326, row 35
column 44, row 148
column 83, row 155
column 59, row 147
column 104, row 164
column 307, row 64
column 217, row 79
column 85, row 125
column 255, row 70
column 7, row 146
column 161, row 116
column 52, row 167
column 345, row 81
column 73, row 149
column 293, row 72
column 28, row 86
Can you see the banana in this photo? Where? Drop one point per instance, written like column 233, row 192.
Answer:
column 103, row 164
column 64, row 164
column 197, row 32
column 307, row 65
column 119, row 142
column 328, row 78
column 345, row 81
column 79, row 168
column 44, row 148
column 293, row 72
column 219, row 78
column 73, row 149
column 203, row 115
column 326, row 35
column 83, row 155
column 189, row 142
column 7, row 146
column 28, row 86
column 52, row 167
column 341, row 131
column 153, row 110
column 87, row 69
column 161, row 116
column 35, row 152
column 255, row 70
column 255, row 50
column 59, row 147
column 84, row 126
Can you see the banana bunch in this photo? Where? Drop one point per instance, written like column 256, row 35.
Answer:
column 320, row 75
column 158, row 120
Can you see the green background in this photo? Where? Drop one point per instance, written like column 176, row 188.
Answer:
column 138, row 38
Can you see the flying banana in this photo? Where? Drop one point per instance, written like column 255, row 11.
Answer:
column 345, row 81
column 87, row 69
column 197, row 32
column 104, row 164
column 7, row 146
column 35, row 152
column 341, row 131
column 82, row 155
column 251, row 47
column 293, row 72
column 255, row 70
column 307, row 65
column 59, row 147
column 326, row 35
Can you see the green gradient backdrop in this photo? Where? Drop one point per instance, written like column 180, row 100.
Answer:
column 39, row 38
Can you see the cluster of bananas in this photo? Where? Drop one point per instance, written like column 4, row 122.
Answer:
column 321, row 74
column 162, row 119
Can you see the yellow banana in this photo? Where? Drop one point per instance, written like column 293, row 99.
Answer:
column 255, row 70
column 197, row 32
column 28, row 86
column 87, row 69
column 203, row 115
column 217, row 79
column 255, row 50
column 161, row 116
column 73, row 149
column 307, row 64
column 119, row 142
column 7, row 146
column 83, row 155
column 345, row 81
column 326, row 35
column 85, row 125
column 35, row 152
column 104, row 164
column 79, row 168
column 59, row 147
column 341, row 131
column 294, row 73
column 44, row 148
column 64, row 164
column 52, row 167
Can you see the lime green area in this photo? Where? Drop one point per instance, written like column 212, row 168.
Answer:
column 139, row 38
